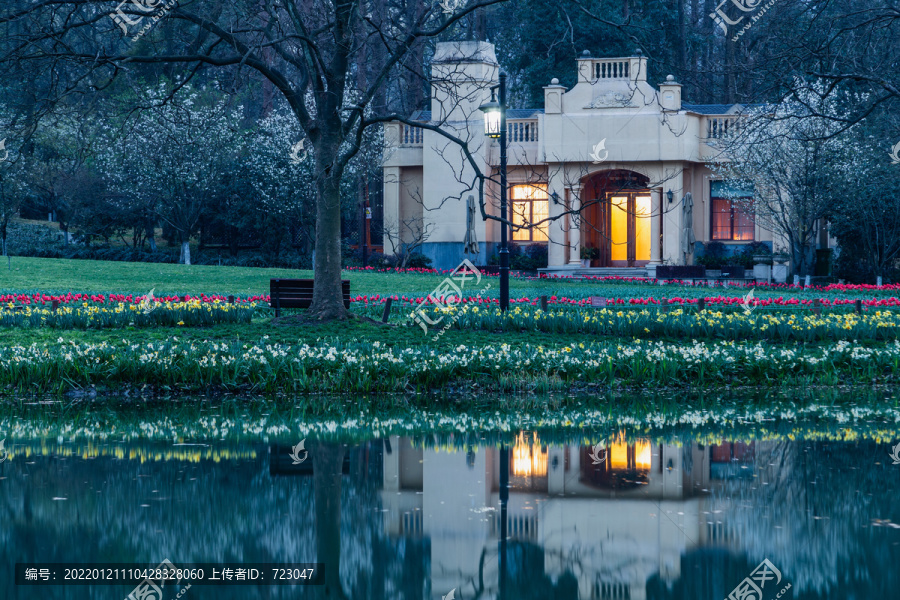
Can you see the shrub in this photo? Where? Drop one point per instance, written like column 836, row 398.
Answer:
column 418, row 261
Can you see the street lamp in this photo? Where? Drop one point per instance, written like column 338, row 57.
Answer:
column 495, row 127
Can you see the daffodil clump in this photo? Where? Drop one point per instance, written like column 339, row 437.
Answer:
column 335, row 367
column 87, row 315
column 148, row 436
column 797, row 325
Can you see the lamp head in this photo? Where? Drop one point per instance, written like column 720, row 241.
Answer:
column 492, row 117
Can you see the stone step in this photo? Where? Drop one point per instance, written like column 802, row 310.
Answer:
column 596, row 272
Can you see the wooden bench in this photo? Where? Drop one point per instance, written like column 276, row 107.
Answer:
column 297, row 293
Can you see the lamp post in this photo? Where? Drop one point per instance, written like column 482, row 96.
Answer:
column 495, row 127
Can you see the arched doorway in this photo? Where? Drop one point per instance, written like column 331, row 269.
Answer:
column 616, row 215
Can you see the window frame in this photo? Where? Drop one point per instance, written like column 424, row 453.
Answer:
column 528, row 216
column 734, row 210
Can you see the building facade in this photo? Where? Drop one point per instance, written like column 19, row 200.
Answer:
column 615, row 166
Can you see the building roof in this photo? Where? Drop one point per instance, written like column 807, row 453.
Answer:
column 708, row 109
column 511, row 113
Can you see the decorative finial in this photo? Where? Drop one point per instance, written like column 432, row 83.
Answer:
column 670, row 78
column 554, row 81
column 586, row 54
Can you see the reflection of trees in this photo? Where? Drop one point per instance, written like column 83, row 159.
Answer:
column 810, row 511
column 205, row 512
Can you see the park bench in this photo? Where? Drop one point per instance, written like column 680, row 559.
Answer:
column 297, row 293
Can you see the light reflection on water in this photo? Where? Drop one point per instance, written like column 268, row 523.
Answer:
column 624, row 518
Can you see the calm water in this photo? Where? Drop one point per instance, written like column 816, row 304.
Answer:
column 406, row 517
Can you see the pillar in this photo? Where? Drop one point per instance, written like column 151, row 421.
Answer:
column 557, row 252
column 573, row 194
column 391, row 206
column 672, row 221
column 655, row 210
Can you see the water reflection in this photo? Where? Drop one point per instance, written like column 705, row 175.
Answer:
column 622, row 518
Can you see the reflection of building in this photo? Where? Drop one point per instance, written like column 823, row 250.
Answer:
column 612, row 525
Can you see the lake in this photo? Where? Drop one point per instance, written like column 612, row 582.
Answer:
column 800, row 499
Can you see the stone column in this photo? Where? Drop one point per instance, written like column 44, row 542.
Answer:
column 557, row 253
column 391, row 205
column 656, row 209
column 573, row 194
column 672, row 222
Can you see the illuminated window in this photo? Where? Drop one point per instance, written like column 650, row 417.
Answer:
column 731, row 218
column 529, row 459
column 529, row 205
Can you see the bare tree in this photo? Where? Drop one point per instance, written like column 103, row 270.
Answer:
column 407, row 236
column 305, row 48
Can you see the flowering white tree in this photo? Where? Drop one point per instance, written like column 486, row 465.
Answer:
column 174, row 158
column 784, row 152
column 312, row 52
column 865, row 212
column 12, row 188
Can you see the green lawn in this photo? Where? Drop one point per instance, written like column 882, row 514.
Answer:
column 61, row 275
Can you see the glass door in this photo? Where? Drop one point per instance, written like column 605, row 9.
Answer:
column 629, row 229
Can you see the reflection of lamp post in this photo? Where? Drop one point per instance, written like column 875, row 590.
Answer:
column 504, row 501
column 495, row 127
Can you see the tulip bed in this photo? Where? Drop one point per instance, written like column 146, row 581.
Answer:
column 119, row 314
column 783, row 326
column 327, row 367
column 710, row 301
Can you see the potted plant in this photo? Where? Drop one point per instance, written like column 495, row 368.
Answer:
column 780, row 271
column 760, row 260
column 713, row 258
column 589, row 255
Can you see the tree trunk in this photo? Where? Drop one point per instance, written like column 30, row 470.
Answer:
column 328, row 297
column 186, row 252
column 328, row 462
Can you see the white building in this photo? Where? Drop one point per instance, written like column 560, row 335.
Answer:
column 620, row 151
